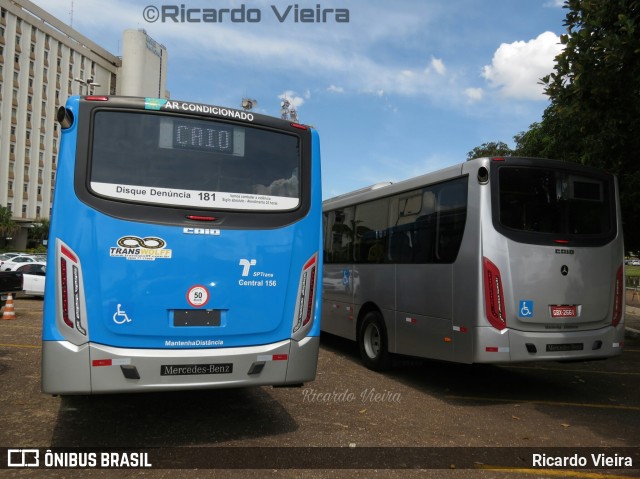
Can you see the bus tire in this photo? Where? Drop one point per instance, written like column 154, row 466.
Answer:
column 372, row 341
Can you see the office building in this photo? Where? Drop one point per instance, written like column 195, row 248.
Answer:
column 42, row 62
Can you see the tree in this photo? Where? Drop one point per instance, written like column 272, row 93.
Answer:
column 8, row 227
column 595, row 97
column 494, row 148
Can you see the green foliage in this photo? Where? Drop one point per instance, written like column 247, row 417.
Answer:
column 595, row 97
column 39, row 231
column 8, row 227
column 494, row 148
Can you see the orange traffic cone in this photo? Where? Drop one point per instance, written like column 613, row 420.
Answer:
column 9, row 312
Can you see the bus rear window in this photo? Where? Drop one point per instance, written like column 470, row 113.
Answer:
column 535, row 202
column 193, row 163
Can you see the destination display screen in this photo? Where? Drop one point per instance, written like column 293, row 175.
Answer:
column 201, row 136
column 178, row 161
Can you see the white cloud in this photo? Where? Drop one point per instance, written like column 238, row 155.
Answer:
column 474, row 94
column 438, row 65
column 516, row 68
column 310, row 53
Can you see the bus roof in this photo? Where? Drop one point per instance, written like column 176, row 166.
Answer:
column 380, row 190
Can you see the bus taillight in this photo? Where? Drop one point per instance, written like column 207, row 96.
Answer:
column 306, row 290
column 65, row 294
column 70, row 289
column 494, row 295
column 618, row 297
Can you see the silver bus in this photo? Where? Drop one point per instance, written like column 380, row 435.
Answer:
column 490, row 261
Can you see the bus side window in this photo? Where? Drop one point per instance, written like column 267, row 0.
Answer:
column 412, row 230
column 339, row 240
column 452, row 215
column 423, row 234
column 371, row 231
column 400, row 245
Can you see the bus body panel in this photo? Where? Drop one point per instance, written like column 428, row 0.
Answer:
column 467, row 299
column 544, row 278
column 132, row 305
column 151, row 292
column 440, row 310
column 121, row 370
column 512, row 345
column 424, row 310
column 338, row 303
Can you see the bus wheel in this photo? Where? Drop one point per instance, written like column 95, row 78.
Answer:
column 372, row 340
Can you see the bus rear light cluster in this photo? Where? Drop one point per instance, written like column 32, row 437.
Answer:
column 618, row 297
column 493, row 295
column 70, row 289
column 306, row 292
column 65, row 294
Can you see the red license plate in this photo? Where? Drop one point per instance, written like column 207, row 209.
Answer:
column 564, row 311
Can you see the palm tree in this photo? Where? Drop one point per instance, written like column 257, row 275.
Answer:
column 8, row 227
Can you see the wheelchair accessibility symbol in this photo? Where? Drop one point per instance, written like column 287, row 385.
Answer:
column 525, row 310
column 120, row 316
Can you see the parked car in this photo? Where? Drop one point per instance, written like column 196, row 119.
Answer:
column 10, row 283
column 7, row 257
column 13, row 263
column 33, row 275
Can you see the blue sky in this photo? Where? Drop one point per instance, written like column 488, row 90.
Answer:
column 403, row 88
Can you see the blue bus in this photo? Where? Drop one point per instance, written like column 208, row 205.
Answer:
column 184, row 249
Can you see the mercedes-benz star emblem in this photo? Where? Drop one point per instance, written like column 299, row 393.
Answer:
column 564, row 270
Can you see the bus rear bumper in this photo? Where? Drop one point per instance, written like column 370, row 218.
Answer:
column 97, row 369
column 511, row 345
